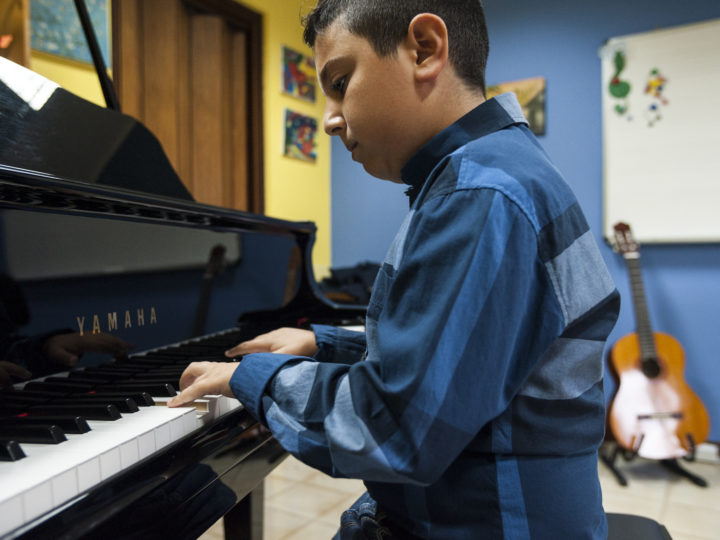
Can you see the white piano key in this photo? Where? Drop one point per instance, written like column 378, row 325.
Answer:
column 64, row 486
column 130, row 453
column 110, row 463
column 11, row 514
column 208, row 407
column 146, row 444
column 88, row 474
column 37, row 500
column 162, row 435
column 43, row 480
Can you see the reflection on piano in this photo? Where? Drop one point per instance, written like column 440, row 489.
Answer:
column 90, row 451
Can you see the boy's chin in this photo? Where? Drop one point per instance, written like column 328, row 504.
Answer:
column 383, row 175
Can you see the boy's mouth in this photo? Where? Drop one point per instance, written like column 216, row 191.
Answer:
column 351, row 146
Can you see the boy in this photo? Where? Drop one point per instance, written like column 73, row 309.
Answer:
column 472, row 407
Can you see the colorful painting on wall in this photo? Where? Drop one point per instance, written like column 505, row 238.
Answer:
column 531, row 95
column 298, row 74
column 300, row 131
column 55, row 29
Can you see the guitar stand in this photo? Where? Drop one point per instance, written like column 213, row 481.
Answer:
column 672, row 465
column 609, row 461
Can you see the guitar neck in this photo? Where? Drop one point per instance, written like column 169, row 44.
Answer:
column 642, row 315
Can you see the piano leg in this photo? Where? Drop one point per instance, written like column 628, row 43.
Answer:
column 245, row 520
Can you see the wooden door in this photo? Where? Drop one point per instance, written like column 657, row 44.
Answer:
column 15, row 31
column 190, row 71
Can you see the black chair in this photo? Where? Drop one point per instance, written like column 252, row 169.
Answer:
column 630, row 527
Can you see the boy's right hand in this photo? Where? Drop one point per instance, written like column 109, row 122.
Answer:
column 283, row 340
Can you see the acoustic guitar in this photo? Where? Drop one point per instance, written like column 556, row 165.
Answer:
column 654, row 413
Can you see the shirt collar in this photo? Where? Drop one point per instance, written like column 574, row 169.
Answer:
column 490, row 116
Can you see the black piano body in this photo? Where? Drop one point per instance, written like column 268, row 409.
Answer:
column 86, row 249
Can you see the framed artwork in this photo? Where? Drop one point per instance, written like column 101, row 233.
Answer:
column 300, row 136
column 55, row 29
column 531, row 94
column 298, row 74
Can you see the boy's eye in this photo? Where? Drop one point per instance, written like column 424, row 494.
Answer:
column 339, row 85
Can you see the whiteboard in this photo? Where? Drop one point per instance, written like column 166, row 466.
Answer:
column 661, row 147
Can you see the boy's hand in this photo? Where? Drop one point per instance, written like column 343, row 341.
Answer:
column 66, row 349
column 9, row 370
column 284, row 341
column 204, row 378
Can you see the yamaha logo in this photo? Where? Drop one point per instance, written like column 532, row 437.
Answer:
column 112, row 321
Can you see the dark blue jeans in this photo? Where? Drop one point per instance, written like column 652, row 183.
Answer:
column 363, row 521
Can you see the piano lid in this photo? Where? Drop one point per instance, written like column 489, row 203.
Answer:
column 46, row 129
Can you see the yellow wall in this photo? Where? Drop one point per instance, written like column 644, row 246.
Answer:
column 294, row 189
column 75, row 77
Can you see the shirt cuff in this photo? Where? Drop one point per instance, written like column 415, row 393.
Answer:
column 324, row 338
column 338, row 345
column 253, row 376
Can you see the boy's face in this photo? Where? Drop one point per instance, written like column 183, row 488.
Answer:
column 372, row 103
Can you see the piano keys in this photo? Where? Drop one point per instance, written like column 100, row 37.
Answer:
column 43, row 474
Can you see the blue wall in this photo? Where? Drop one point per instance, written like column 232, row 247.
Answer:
column 559, row 39
column 365, row 212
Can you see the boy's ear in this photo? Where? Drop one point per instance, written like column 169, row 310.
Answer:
column 428, row 39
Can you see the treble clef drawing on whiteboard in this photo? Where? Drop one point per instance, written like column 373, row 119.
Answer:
column 619, row 88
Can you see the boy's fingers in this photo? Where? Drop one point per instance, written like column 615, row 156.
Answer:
column 15, row 369
column 192, row 372
column 9, row 370
column 190, row 394
column 203, row 378
column 258, row 344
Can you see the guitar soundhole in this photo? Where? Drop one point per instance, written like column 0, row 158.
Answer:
column 650, row 367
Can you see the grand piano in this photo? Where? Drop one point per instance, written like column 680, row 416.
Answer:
column 99, row 237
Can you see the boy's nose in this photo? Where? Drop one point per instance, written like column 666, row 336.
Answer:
column 333, row 121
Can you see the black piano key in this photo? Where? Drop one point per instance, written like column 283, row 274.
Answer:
column 92, row 381
column 226, row 341
column 34, row 393
column 13, row 409
column 169, row 380
column 132, row 367
column 143, row 399
column 153, row 376
column 10, row 451
column 124, row 404
column 87, row 376
column 154, row 389
column 156, row 375
column 179, row 353
column 90, row 411
column 119, row 373
column 162, row 371
column 69, row 424
column 21, row 400
column 43, row 434
column 150, row 378
column 146, row 361
column 58, row 386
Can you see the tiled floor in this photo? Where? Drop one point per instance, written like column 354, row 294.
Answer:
column 303, row 504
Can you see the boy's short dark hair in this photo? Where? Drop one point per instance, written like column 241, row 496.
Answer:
column 384, row 23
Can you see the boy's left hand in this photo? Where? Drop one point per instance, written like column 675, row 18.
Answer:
column 202, row 379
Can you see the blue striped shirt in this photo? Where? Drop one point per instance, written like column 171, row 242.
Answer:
column 472, row 406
